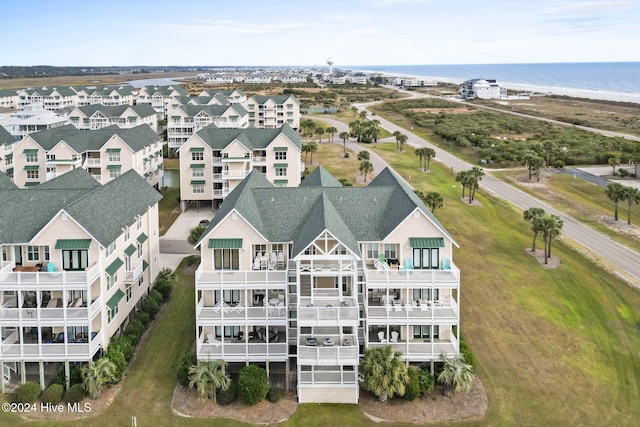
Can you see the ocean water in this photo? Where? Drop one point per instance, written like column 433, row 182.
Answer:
column 600, row 80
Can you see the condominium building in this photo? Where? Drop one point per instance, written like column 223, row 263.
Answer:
column 105, row 95
column 273, row 111
column 30, row 119
column 51, row 99
column 160, row 97
column 185, row 120
column 302, row 280
column 214, row 161
column 98, row 116
column 7, row 144
column 105, row 153
column 76, row 257
column 8, row 98
column 482, row 88
column 233, row 96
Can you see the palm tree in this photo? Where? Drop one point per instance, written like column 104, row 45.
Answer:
column 548, row 146
column 476, row 174
column 312, row 147
column 456, row 374
column 385, row 374
column 549, row 226
column 461, row 177
column 530, row 160
column 366, row 166
column 305, row 150
column 362, row 115
column 208, row 377
column 344, row 136
column 402, row 139
column 96, row 374
column 632, row 196
column 363, row 155
column 615, row 192
column 320, row 132
column 419, row 152
column 531, row 215
column 195, row 234
column 354, row 110
column 434, row 200
column 356, row 129
column 536, row 163
column 331, row 130
column 396, row 135
column 613, row 162
column 428, row 153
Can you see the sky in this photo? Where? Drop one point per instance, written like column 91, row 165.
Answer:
column 306, row 33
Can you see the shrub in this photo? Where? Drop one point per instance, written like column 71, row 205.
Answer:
column 623, row 173
column 28, row 392
column 123, row 342
column 558, row 164
column 156, row 296
column 186, row 361
column 228, row 396
column 115, row 355
column 275, row 394
column 75, row 375
column 412, row 388
column 425, row 380
column 150, row 306
column 165, row 287
column 75, row 394
column 253, row 384
column 143, row 317
column 52, row 394
column 135, row 330
column 466, row 352
column 346, row 155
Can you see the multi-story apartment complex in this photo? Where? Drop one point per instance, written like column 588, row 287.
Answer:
column 214, row 161
column 233, row 96
column 76, row 257
column 273, row 111
column 160, row 97
column 185, row 120
column 482, row 88
column 32, row 118
column 8, row 98
column 98, row 116
column 105, row 95
column 302, row 280
column 105, row 153
column 7, row 144
column 51, row 99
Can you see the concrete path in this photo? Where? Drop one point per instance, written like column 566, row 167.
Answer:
column 174, row 245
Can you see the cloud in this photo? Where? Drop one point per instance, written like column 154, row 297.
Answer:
column 593, row 7
column 380, row 3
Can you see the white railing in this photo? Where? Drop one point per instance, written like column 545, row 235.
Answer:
column 328, row 267
column 235, row 174
column 422, row 350
column 327, row 310
column 259, row 160
column 216, row 176
column 241, row 350
column 204, row 314
column 97, row 178
column 216, row 160
column 326, row 377
column 93, row 161
column 274, row 278
column 11, row 347
column 131, row 276
column 11, row 278
column 442, row 277
column 333, row 355
column 51, row 175
column 440, row 311
column 95, row 307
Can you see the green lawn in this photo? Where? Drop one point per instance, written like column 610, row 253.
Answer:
column 167, row 208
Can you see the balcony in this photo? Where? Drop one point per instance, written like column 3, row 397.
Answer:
column 328, row 350
column 248, row 314
column 232, row 350
column 13, row 350
column 443, row 278
column 23, row 280
column 272, row 279
column 132, row 276
column 224, row 192
column 442, row 311
column 92, row 162
column 73, row 162
column 259, row 161
column 327, row 377
column 227, row 174
column 422, row 350
column 217, row 161
column 327, row 311
column 330, row 268
column 53, row 311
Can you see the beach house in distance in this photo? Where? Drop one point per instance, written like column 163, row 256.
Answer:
column 76, row 257
column 214, row 161
column 482, row 88
column 301, row 280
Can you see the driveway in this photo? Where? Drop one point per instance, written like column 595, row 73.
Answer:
column 174, row 245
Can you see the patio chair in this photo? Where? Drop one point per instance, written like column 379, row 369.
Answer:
column 394, row 336
column 446, row 265
column 424, row 306
column 280, row 259
column 211, row 339
column 407, row 306
column 381, row 337
column 256, row 263
column 397, row 306
column 382, row 258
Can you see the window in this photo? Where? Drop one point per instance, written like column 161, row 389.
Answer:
column 390, row 251
column 289, row 106
column 75, row 259
column 33, row 253
column 141, row 280
column 281, row 155
column 114, row 156
column 426, row 258
column 33, row 174
column 47, row 253
column 129, row 292
column 425, row 294
column 226, row 259
column 139, row 250
column 230, row 296
column 229, row 331
column 51, row 156
column 197, row 188
column 311, row 250
column 127, row 233
column 32, row 158
column 424, row 331
column 112, row 313
column 197, row 156
column 197, row 173
column 259, row 250
column 111, row 248
column 340, row 250
column 372, row 250
column 4, row 253
column 138, row 222
column 114, row 173
column 111, row 279
column 281, row 171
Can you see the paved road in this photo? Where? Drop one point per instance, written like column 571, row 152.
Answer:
column 613, row 252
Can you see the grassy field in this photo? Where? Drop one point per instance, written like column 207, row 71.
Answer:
column 584, row 201
column 166, row 208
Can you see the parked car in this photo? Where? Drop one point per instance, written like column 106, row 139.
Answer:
column 203, row 223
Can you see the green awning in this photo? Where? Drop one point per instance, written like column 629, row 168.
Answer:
column 225, row 243
column 145, row 264
column 280, row 148
column 142, row 238
column 30, row 151
column 426, row 242
column 145, row 160
column 197, row 182
column 9, row 156
column 114, row 266
column 197, row 166
column 281, row 165
column 31, row 168
column 73, row 244
column 196, row 149
column 114, row 167
column 280, row 181
column 130, row 250
column 113, row 150
column 31, row 184
column 115, row 299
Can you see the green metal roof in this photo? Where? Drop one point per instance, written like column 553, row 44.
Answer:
column 426, row 242
column 145, row 264
column 280, row 148
column 281, row 165
column 114, row 266
column 252, row 138
column 197, row 182
column 114, row 167
column 142, row 238
column 112, row 303
column 196, row 149
column 30, row 151
column 130, row 250
column 73, row 243
column 31, row 167
column 197, row 166
column 225, row 243
column 31, row 184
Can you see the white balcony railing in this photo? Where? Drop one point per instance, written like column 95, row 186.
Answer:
column 327, row 377
column 449, row 277
column 13, row 349
column 131, row 276
column 438, row 310
column 336, row 353
column 327, row 311
column 242, row 351
column 227, row 174
column 274, row 278
column 326, row 266
column 14, row 280
column 420, row 350
column 250, row 314
column 93, row 162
